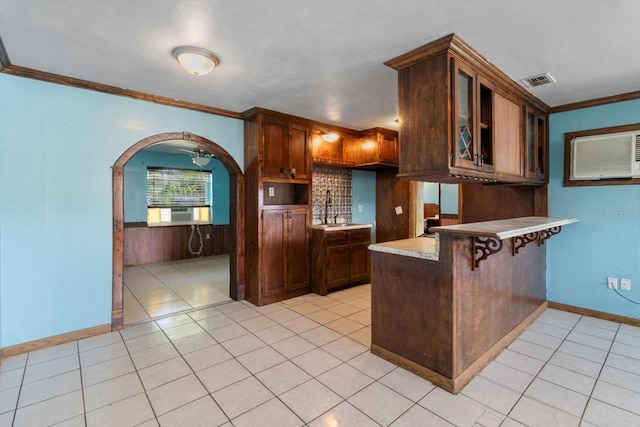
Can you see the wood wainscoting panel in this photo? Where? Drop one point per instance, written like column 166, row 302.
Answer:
column 149, row 245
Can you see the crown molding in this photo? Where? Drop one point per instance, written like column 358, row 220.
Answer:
column 596, row 102
column 112, row 90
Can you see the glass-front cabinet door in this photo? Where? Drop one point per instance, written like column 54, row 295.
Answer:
column 464, row 154
column 473, row 119
column 485, row 159
column 536, row 142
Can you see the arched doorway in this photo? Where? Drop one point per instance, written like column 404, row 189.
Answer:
column 236, row 237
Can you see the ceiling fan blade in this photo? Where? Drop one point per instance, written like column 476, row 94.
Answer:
column 192, row 152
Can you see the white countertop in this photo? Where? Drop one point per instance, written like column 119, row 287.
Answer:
column 339, row 226
column 505, row 228
column 417, row 247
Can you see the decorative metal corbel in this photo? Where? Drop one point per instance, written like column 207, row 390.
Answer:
column 482, row 247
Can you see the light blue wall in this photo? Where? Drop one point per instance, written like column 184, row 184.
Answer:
column 57, row 146
column 431, row 193
column 135, row 184
column 606, row 241
column 449, row 199
column 364, row 193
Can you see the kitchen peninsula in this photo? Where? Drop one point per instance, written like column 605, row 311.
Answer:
column 443, row 308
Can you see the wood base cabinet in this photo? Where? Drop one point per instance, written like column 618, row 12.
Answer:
column 340, row 258
column 285, row 256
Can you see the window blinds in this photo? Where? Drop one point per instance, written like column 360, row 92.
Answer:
column 178, row 187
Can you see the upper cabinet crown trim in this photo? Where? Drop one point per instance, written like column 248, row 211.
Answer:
column 453, row 45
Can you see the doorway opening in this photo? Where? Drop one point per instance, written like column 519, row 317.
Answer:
column 236, row 218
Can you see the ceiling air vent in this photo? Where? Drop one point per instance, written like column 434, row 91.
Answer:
column 538, row 80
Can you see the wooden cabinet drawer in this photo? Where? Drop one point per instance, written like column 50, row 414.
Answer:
column 357, row 236
column 337, row 237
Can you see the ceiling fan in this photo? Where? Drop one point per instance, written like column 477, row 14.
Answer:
column 199, row 157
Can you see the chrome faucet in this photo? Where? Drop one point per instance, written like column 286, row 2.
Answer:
column 327, row 203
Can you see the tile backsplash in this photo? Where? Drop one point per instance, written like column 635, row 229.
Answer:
column 338, row 182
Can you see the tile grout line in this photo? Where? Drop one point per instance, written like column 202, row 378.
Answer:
column 153, row 411
column 193, row 372
column 137, row 300
column 191, row 320
column 84, row 404
column 604, row 362
column 24, row 373
column 342, row 400
column 597, row 378
column 172, row 290
column 254, row 374
column 546, row 362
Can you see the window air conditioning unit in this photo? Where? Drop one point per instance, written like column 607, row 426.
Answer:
column 181, row 214
column 614, row 155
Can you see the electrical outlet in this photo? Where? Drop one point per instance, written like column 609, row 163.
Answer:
column 612, row 283
column 271, row 192
column 625, row 284
column 359, row 208
column 208, row 236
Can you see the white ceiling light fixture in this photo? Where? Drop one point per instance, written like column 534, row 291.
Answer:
column 330, row 137
column 201, row 161
column 199, row 157
column 195, row 60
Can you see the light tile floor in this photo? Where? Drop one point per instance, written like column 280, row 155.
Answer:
column 155, row 290
column 306, row 362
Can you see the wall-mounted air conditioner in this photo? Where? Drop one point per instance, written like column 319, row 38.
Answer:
column 614, row 155
column 181, row 214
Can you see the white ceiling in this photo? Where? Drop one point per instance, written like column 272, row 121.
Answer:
column 321, row 59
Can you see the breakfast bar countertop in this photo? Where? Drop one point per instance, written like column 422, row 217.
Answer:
column 502, row 229
column 417, row 247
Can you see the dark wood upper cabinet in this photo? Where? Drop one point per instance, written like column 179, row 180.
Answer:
column 461, row 118
column 535, row 145
column 374, row 149
column 369, row 149
column 507, row 137
column 299, row 150
column 473, row 119
column 286, row 149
